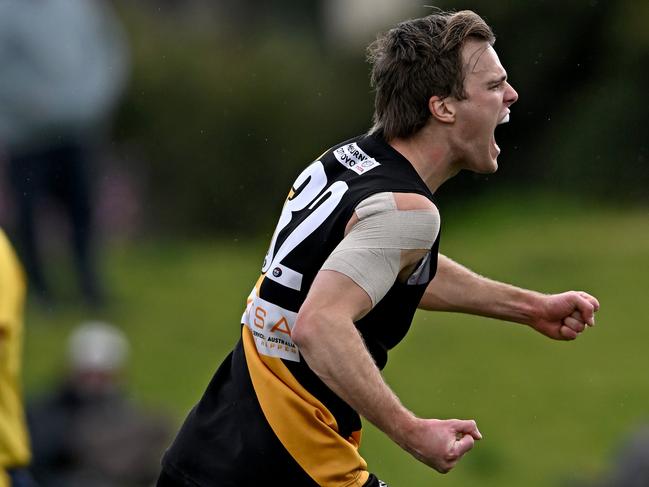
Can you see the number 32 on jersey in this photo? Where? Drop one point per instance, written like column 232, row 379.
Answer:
column 310, row 193
column 271, row 325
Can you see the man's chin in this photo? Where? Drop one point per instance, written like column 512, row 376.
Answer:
column 489, row 167
column 487, row 164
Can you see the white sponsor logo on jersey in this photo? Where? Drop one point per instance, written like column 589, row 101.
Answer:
column 271, row 327
column 352, row 157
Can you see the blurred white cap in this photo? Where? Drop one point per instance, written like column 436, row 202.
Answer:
column 99, row 346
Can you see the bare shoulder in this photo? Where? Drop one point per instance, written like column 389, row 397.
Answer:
column 413, row 201
column 389, row 201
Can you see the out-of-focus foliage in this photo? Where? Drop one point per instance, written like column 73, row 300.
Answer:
column 223, row 123
column 222, row 115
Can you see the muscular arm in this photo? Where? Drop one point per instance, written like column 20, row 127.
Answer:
column 333, row 348
column 559, row 316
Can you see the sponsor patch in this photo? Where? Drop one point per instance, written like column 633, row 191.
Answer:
column 353, row 157
column 271, row 327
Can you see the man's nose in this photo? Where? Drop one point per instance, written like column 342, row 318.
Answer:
column 510, row 95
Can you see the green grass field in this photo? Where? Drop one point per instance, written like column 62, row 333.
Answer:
column 549, row 411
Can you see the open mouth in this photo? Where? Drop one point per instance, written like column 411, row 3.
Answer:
column 495, row 149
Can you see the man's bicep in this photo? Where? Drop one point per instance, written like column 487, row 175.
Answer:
column 335, row 293
column 372, row 270
column 382, row 245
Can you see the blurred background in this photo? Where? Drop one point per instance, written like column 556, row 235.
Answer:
column 146, row 149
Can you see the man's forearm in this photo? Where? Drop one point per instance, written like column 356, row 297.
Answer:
column 333, row 348
column 458, row 289
column 340, row 359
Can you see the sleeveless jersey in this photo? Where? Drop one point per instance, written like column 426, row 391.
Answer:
column 264, row 404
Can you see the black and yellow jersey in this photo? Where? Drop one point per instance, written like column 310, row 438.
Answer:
column 265, row 416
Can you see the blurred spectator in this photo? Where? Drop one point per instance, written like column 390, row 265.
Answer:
column 14, row 445
column 63, row 68
column 631, row 462
column 629, row 466
column 87, row 432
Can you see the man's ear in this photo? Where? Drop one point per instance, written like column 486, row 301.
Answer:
column 442, row 109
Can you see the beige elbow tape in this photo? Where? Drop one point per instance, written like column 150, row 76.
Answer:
column 370, row 254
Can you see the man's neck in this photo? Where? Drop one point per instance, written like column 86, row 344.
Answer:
column 430, row 155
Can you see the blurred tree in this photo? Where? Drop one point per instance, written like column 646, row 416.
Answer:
column 223, row 124
column 225, row 111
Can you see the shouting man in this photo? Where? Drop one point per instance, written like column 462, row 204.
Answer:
column 353, row 256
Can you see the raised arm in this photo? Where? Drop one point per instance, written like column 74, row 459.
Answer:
column 329, row 342
column 355, row 277
column 559, row 316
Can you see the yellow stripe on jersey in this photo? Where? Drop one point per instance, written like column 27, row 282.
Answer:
column 256, row 288
column 306, row 428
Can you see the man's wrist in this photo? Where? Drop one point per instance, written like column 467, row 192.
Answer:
column 531, row 306
column 402, row 428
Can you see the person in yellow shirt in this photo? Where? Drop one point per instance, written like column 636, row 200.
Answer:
column 14, row 442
